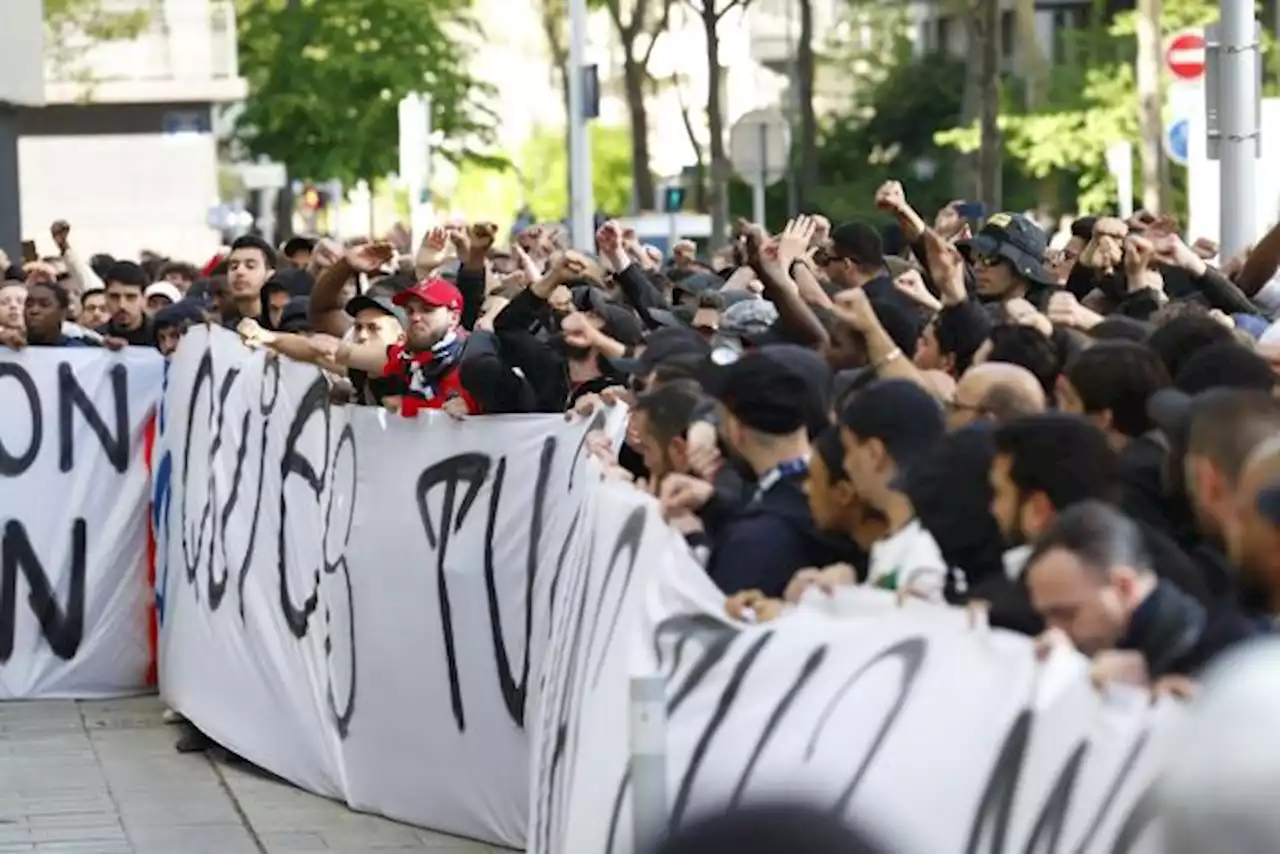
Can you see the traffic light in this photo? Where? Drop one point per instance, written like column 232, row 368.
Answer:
column 672, row 199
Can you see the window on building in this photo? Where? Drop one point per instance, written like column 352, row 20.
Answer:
column 1008, row 35
column 946, row 25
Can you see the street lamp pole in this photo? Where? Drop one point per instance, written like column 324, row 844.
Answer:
column 581, row 203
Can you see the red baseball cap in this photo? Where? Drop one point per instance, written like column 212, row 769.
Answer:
column 434, row 292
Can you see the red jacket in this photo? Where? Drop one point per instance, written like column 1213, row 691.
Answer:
column 433, row 377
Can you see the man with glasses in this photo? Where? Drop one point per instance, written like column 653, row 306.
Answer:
column 854, row 258
column 1007, row 257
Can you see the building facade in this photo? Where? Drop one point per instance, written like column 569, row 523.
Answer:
column 125, row 147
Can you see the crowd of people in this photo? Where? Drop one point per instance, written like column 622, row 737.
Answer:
column 1079, row 440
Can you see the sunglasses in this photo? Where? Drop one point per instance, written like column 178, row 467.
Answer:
column 985, row 260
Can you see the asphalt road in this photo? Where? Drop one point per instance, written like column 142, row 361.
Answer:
column 103, row 777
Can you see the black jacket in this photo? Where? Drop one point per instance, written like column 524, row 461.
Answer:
column 761, row 545
column 1178, row 635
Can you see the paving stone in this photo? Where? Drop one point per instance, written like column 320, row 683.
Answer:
column 102, row 777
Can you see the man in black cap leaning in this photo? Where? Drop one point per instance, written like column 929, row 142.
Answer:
column 765, row 404
column 1007, row 257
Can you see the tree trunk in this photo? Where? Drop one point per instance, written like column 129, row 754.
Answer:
column 699, row 159
column 1150, row 125
column 719, row 195
column 633, row 78
column 989, row 190
column 806, row 71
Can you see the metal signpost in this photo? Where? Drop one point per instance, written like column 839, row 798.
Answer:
column 759, row 150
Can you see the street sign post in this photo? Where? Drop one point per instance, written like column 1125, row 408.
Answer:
column 1177, row 138
column 759, row 148
column 1185, row 55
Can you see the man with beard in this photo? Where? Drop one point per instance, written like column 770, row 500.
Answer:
column 429, row 358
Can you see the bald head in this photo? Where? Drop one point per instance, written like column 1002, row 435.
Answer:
column 997, row 390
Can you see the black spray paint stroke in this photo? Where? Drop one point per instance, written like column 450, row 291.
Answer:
column 615, row 814
column 725, row 704
column 191, row 562
column 552, row 600
column 598, row 421
column 811, row 665
column 298, row 619
column 718, row 637
column 1113, row 791
column 1144, row 812
column 515, row 694
column 11, row 466
column 62, row 630
column 314, row 401
column 265, row 409
column 218, row 586
column 342, row 718
column 912, row 652
column 629, row 540
column 995, row 808
column 471, row 469
column 72, row 394
column 555, row 784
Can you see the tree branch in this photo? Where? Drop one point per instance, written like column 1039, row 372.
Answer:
column 657, row 31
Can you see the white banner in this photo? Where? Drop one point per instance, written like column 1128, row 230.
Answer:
column 940, row 737
column 73, row 533
column 347, row 596
column 438, row 621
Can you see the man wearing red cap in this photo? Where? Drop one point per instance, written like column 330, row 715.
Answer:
column 429, row 358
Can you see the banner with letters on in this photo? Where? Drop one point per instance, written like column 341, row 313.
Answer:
column 437, row 621
column 940, row 737
column 347, row 596
column 73, row 513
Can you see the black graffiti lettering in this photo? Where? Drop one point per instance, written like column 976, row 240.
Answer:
column 472, row 470
column 218, row 585
column 555, row 785
column 62, row 629
column 71, row 394
column 266, row 406
column 718, row 637
column 615, row 814
column 514, row 694
column 293, row 463
column 912, row 653
column 1113, row 791
column 629, row 539
column 342, row 716
column 191, row 554
column 552, row 598
column 811, row 665
column 991, row 820
column 10, row 465
column 1140, row 818
column 727, row 698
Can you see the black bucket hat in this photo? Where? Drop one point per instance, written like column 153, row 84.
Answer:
column 1015, row 237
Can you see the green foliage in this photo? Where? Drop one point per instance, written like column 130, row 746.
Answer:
column 326, row 78
column 544, row 164
column 1089, row 106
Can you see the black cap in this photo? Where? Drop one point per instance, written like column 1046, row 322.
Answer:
column 1173, row 410
column 662, row 345
column 759, row 390
column 697, row 284
column 620, row 323
column 858, row 242
column 901, row 414
column 1017, row 238
column 295, row 281
column 383, row 304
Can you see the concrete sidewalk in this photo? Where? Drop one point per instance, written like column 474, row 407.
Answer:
column 103, row 778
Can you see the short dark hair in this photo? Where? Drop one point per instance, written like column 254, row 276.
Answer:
column 1083, row 227
column 1227, row 426
column 1120, row 327
column 1064, row 456
column 830, row 447
column 1119, row 376
column 1098, row 535
column 126, row 273
column 253, row 241
column 1018, row 344
column 181, row 268
column 676, row 368
column 860, row 243
column 669, row 410
column 1182, row 337
column 60, row 294
column 297, row 244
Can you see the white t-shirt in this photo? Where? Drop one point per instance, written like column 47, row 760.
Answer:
column 910, row 557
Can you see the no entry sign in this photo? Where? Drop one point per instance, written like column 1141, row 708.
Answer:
column 1185, row 55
